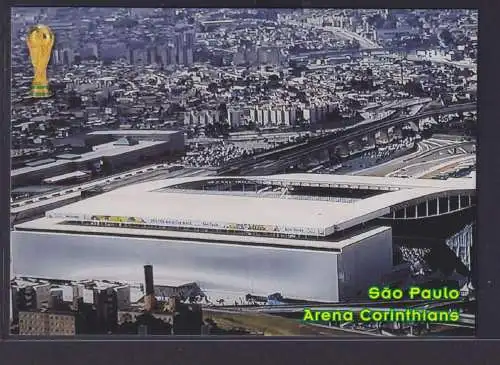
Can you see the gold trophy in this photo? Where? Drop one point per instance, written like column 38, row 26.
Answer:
column 40, row 40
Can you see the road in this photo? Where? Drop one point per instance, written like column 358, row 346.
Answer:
column 288, row 157
column 318, row 143
column 364, row 43
column 444, row 167
column 32, row 207
column 429, row 152
column 131, row 176
column 460, row 64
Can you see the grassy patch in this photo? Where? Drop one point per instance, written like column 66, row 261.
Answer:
column 270, row 325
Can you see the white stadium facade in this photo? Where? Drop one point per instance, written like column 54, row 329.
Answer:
column 307, row 236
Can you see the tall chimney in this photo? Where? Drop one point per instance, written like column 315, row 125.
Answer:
column 149, row 298
column 148, row 277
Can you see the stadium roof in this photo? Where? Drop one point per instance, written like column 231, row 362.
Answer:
column 147, row 204
column 368, row 182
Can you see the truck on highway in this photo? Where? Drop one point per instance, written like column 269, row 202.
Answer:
column 87, row 193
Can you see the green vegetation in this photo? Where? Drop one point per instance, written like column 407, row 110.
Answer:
column 269, row 325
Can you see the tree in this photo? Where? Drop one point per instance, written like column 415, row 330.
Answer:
column 175, row 108
column 223, row 111
column 274, row 77
column 125, row 23
column 414, row 88
column 155, row 326
column 225, row 128
column 427, row 132
column 57, row 86
column 212, row 87
column 210, row 130
column 106, row 167
column 445, row 37
column 74, row 100
column 334, row 115
column 470, row 126
column 273, row 82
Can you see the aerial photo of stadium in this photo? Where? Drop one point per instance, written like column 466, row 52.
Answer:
column 312, row 237
column 224, row 171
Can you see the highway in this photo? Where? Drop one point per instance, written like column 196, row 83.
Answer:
column 92, row 184
column 429, row 152
column 350, row 133
column 447, row 165
column 441, row 60
column 364, row 43
column 70, row 194
column 289, row 155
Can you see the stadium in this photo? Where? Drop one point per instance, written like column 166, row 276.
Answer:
column 312, row 237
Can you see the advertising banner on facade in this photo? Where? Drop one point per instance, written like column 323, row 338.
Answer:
column 170, row 222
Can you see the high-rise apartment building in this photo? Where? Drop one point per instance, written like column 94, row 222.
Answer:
column 184, row 41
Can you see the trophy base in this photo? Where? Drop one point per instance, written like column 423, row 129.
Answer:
column 40, row 95
column 40, row 91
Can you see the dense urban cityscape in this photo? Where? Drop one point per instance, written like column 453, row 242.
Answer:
column 263, row 161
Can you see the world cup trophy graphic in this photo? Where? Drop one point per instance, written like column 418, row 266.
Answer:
column 40, row 40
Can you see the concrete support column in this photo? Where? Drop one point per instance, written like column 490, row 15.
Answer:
column 384, row 137
column 426, row 208
column 404, row 215
column 346, row 148
column 398, row 131
column 449, row 204
column 371, row 139
column 437, row 206
column 326, row 154
column 470, row 200
column 361, row 142
column 459, row 202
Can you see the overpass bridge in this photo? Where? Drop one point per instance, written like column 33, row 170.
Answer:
column 443, row 148
column 363, row 135
column 364, row 43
